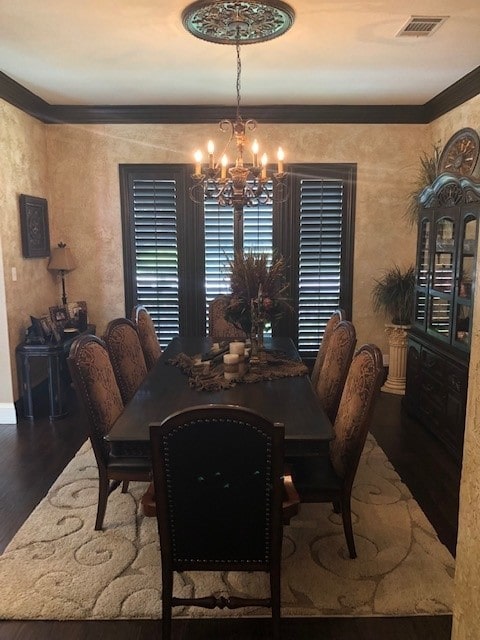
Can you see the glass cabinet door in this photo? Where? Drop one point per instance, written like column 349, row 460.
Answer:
column 465, row 281
column 423, row 270
column 442, row 284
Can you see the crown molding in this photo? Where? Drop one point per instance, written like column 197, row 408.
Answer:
column 458, row 93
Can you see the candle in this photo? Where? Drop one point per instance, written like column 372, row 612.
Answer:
column 230, row 366
column 198, row 162
column 237, row 347
column 280, row 158
column 264, row 166
column 224, row 166
column 211, row 149
column 255, row 153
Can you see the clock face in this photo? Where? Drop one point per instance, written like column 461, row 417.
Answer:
column 460, row 154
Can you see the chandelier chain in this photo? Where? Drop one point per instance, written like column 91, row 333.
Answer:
column 239, row 73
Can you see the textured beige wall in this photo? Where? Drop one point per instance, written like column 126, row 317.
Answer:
column 83, row 164
column 23, row 169
column 466, row 624
column 84, row 201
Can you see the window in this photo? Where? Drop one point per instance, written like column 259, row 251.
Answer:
column 176, row 253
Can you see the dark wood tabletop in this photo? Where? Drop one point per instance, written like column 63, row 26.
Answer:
column 166, row 390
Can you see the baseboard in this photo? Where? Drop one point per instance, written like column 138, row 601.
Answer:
column 8, row 415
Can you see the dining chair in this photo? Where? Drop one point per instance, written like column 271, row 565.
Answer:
column 217, row 473
column 334, row 319
column 218, row 327
column 338, row 356
column 147, row 334
column 126, row 355
column 330, row 478
column 94, row 381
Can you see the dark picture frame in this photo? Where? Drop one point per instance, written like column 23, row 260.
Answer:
column 59, row 316
column 34, row 227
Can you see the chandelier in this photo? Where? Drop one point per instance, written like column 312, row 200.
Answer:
column 241, row 183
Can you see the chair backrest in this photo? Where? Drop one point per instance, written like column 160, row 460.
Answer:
column 96, row 386
column 334, row 319
column 218, row 487
column 354, row 413
column 147, row 334
column 126, row 354
column 338, row 356
column 218, row 327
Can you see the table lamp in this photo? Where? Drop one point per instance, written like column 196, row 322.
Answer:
column 62, row 260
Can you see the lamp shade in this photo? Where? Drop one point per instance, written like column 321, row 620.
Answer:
column 61, row 259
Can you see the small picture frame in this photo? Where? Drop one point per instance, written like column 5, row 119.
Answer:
column 46, row 326
column 37, row 327
column 34, row 227
column 78, row 314
column 59, row 316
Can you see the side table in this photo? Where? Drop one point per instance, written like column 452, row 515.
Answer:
column 56, row 355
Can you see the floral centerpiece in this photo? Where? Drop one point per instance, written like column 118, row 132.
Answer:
column 258, row 285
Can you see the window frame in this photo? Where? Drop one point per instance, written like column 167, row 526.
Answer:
column 191, row 238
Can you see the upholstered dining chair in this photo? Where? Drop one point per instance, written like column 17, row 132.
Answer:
column 126, row 355
column 334, row 319
column 217, row 473
column 330, row 478
column 97, row 389
column 218, row 327
column 147, row 334
column 338, row 356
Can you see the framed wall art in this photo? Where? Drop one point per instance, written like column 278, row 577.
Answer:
column 34, row 227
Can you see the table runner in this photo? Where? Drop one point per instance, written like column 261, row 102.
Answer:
column 272, row 365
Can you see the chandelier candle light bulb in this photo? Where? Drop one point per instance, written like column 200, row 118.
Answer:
column 255, row 153
column 198, row 162
column 280, row 158
column 211, row 149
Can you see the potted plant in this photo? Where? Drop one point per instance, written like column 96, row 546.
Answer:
column 393, row 294
column 429, row 169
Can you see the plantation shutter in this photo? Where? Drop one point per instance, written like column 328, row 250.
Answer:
column 320, row 259
column 156, row 255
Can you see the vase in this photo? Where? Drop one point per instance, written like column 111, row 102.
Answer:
column 256, row 338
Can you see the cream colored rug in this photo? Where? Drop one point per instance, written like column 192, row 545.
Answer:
column 58, row 567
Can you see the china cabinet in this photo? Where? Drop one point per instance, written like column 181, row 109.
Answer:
column 439, row 340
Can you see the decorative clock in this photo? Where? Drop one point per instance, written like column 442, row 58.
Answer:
column 460, row 154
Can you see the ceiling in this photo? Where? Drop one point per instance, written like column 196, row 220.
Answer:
column 137, row 52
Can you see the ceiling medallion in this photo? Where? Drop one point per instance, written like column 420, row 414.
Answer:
column 238, row 22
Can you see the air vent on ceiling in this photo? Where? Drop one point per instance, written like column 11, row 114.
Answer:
column 421, row 25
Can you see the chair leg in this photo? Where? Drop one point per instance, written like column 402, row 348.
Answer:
column 167, row 593
column 125, row 486
column 347, row 525
column 275, row 598
column 103, row 493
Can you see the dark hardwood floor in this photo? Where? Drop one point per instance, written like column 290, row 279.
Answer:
column 32, row 455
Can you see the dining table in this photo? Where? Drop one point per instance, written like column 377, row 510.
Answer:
column 167, row 389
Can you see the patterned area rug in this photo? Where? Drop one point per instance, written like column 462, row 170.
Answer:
column 58, row 567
